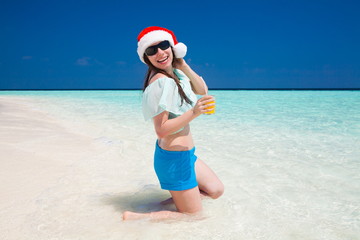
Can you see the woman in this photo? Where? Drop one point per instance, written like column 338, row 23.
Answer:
column 169, row 100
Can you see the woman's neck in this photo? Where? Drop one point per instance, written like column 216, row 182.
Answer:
column 170, row 71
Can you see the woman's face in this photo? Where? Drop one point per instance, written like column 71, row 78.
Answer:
column 162, row 59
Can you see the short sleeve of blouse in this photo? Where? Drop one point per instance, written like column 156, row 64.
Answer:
column 162, row 95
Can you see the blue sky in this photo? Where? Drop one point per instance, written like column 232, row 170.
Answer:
column 232, row 44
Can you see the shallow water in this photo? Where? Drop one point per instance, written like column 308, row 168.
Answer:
column 290, row 162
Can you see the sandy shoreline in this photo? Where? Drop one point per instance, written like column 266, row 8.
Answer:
column 36, row 151
column 70, row 179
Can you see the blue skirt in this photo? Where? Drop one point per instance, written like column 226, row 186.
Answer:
column 175, row 169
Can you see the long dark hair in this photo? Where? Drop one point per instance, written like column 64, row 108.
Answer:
column 152, row 70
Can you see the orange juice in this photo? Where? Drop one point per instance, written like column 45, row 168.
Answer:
column 212, row 107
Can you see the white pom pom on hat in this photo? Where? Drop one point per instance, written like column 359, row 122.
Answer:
column 151, row 35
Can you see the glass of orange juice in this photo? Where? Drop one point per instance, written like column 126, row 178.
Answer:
column 211, row 107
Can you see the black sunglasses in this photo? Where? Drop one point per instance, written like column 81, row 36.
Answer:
column 150, row 51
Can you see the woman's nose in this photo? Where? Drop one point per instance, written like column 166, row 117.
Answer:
column 160, row 51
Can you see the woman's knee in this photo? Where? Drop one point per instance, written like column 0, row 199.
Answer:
column 219, row 192
column 216, row 191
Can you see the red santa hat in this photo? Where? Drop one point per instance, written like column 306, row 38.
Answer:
column 151, row 35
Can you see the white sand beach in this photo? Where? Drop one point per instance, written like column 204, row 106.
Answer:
column 36, row 153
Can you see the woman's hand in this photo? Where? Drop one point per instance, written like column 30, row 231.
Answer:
column 198, row 84
column 201, row 105
column 180, row 63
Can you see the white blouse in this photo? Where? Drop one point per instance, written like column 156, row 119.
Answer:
column 162, row 95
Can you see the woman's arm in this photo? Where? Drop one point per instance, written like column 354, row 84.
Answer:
column 165, row 126
column 197, row 83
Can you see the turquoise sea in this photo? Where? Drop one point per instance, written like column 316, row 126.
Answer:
column 290, row 162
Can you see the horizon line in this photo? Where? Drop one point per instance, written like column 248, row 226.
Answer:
column 210, row 89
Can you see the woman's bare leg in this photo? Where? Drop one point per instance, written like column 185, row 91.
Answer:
column 171, row 200
column 128, row 215
column 186, row 202
column 208, row 182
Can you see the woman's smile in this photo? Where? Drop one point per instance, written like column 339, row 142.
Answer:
column 163, row 60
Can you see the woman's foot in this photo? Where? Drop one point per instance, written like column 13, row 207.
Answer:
column 127, row 215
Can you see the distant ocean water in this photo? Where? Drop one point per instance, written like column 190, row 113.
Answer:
column 290, row 160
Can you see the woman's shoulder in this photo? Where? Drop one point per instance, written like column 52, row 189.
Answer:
column 159, row 82
column 156, row 77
